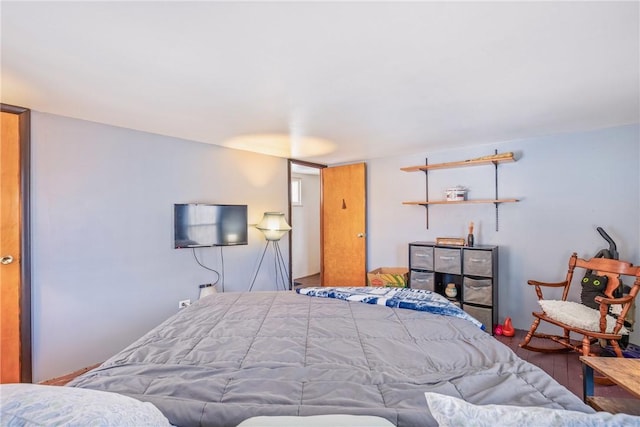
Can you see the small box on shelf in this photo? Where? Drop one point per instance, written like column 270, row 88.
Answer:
column 450, row 241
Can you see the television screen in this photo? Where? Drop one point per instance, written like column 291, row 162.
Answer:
column 199, row 225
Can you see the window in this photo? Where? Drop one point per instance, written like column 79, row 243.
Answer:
column 296, row 191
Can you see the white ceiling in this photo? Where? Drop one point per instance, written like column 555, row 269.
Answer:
column 371, row 79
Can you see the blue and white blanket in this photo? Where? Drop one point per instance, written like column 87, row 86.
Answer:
column 413, row 299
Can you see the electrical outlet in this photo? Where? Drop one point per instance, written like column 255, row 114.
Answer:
column 184, row 303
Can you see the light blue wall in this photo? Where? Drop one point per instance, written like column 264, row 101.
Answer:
column 568, row 185
column 105, row 271
column 104, row 267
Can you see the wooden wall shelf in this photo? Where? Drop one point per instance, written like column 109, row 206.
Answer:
column 461, row 202
column 493, row 159
column 486, row 160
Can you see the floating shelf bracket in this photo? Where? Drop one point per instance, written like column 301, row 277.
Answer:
column 426, row 191
column 495, row 165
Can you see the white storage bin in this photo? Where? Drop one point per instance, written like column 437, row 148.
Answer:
column 483, row 315
column 421, row 280
column 478, row 291
column 478, row 263
column 447, row 260
column 421, row 257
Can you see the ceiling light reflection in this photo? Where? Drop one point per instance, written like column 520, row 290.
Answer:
column 281, row 145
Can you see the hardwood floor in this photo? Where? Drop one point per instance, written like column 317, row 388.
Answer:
column 565, row 368
column 303, row 282
column 66, row 378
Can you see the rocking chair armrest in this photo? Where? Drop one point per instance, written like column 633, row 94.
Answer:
column 604, row 311
column 610, row 301
column 551, row 285
column 538, row 285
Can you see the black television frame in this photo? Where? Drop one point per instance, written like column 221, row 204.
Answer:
column 201, row 225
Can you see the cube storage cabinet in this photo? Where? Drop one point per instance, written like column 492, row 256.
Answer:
column 472, row 270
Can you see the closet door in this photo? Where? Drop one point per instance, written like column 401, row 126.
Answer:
column 343, row 216
column 15, row 319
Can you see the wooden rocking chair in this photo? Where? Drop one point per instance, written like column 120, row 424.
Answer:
column 592, row 324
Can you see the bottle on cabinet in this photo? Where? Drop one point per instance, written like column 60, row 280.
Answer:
column 470, row 235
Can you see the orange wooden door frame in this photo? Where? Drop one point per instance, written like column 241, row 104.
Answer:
column 343, row 217
column 15, row 284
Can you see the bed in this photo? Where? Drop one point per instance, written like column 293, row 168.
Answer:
column 231, row 357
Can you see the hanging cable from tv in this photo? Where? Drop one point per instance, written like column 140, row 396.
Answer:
column 218, row 275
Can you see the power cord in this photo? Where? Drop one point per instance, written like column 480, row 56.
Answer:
column 211, row 269
column 222, row 263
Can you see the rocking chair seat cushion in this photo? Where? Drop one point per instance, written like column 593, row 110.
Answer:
column 578, row 316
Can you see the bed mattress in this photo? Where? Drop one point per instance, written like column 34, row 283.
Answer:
column 232, row 356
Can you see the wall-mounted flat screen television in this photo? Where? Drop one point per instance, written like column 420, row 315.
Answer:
column 200, row 225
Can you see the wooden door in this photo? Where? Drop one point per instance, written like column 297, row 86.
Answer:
column 343, row 216
column 15, row 319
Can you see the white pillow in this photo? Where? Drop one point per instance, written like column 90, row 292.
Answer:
column 336, row 420
column 578, row 315
column 40, row 405
column 450, row 411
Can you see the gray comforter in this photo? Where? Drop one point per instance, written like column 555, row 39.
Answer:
column 235, row 355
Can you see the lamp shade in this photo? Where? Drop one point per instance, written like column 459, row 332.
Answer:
column 273, row 225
